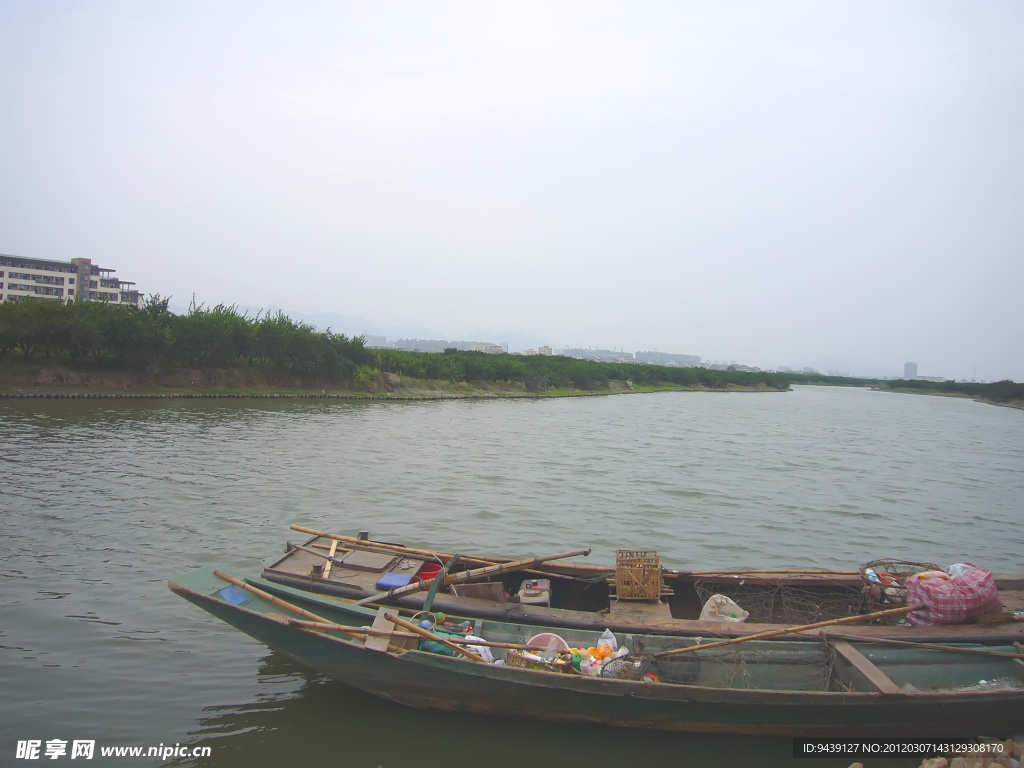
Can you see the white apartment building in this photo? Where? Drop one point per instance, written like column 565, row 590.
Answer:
column 75, row 280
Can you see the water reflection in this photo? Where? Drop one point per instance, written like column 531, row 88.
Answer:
column 305, row 716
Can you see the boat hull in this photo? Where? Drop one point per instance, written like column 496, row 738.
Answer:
column 429, row 681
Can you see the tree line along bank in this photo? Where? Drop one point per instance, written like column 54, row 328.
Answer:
column 153, row 339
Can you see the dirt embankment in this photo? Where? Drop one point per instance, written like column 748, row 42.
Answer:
column 46, row 380
column 49, row 379
column 27, row 380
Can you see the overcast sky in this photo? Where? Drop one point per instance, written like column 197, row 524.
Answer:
column 779, row 184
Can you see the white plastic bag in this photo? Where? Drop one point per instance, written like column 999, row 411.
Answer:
column 721, row 608
column 609, row 638
column 483, row 651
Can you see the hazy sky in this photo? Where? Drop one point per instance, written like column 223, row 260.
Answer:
column 779, row 184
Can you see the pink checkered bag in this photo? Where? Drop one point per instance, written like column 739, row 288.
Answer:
column 952, row 599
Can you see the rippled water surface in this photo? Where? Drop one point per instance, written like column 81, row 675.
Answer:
column 103, row 501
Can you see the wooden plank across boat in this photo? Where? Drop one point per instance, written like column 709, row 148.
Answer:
column 849, row 687
column 582, row 595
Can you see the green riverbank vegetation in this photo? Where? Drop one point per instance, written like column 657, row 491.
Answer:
column 96, row 346
column 1000, row 392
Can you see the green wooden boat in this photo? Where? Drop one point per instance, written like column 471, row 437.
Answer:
column 829, row 687
column 582, row 596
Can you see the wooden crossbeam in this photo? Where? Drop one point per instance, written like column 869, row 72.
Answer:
column 327, row 567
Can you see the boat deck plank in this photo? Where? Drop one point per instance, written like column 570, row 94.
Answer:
column 875, row 676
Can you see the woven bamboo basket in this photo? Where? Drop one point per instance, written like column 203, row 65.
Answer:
column 637, row 575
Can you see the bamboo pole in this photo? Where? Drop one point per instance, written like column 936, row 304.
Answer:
column 791, row 630
column 282, row 603
column 781, row 571
column 466, row 576
column 431, row 636
column 380, row 633
column 327, row 626
column 379, row 546
column 913, row 644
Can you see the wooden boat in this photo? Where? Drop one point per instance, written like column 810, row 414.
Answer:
column 833, row 687
column 585, row 596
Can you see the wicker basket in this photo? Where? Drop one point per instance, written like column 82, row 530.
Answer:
column 888, row 588
column 637, row 575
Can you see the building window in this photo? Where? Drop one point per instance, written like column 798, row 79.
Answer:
column 71, row 280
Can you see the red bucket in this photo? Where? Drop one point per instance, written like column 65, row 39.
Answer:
column 428, row 571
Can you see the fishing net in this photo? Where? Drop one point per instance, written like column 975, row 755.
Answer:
column 774, row 603
column 778, row 666
column 885, row 581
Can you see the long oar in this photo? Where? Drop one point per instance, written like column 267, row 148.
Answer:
column 791, row 630
column 931, row 646
column 466, row 576
column 431, row 636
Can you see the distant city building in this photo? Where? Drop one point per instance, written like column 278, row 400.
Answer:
column 734, row 367
column 75, row 280
column 440, row 345
column 599, row 355
column 479, row 346
column 910, row 370
column 665, row 358
column 421, row 345
column 543, row 350
column 375, row 341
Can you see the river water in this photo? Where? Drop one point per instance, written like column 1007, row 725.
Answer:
column 102, row 501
